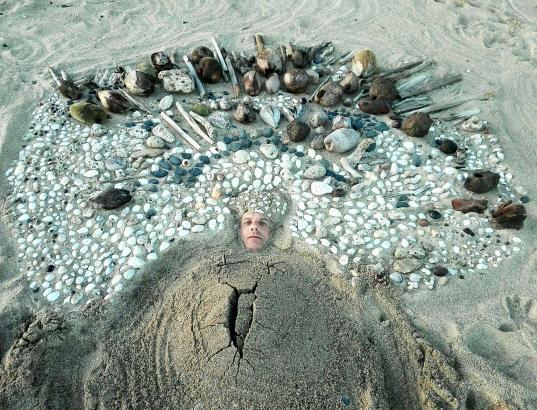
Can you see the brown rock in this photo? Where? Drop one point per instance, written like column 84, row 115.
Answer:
column 482, row 181
column 252, row 82
column 199, row 53
column 296, row 80
column 244, row 115
column 383, row 89
column 509, row 216
column 374, row 107
column 350, row 83
column 417, row 125
column 469, row 205
column 297, row 130
column 423, row 222
column 330, row 94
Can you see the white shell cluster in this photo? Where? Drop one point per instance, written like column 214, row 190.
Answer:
column 71, row 251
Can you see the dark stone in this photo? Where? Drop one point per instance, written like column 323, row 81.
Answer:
column 159, row 173
column 469, row 205
column 180, row 171
column 113, row 198
column 434, row 214
column 195, row 172
column 403, row 198
column 165, row 164
column 186, row 155
column 153, row 181
column 482, row 181
column 297, row 130
column 469, row 231
column 340, row 178
column 299, row 154
column 205, row 159
column 174, row 160
column 283, row 148
column 525, row 199
column 401, row 204
column 153, row 188
column 417, row 125
column 357, row 123
column 129, row 124
column 439, row 270
column 509, row 216
column 372, row 147
column 416, row 160
column 447, row 146
column 266, row 132
column 381, row 126
column 235, row 146
column 50, row 268
column 150, row 213
column 371, row 134
column 227, row 140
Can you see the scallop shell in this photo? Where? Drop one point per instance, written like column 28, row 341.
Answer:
column 270, row 115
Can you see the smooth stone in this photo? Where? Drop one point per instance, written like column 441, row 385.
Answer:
column 315, row 172
column 270, row 151
column 135, row 262
column 341, row 140
column 407, row 265
column 469, row 205
column 166, row 102
column 396, row 277
column 241, row 157
column 155, row 142
column 113, row 198
column 321, row 188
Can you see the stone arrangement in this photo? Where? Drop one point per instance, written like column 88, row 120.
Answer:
column 95, row 203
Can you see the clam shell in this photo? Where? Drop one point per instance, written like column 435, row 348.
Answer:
column 272, row 85
column 87, row 113
column 270, row 115
column 318, row 119
column 473, row 124
column 268, row 62
column 341, row 140
column 113, row 101
column 364, row 63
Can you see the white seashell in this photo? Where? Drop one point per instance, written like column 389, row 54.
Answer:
column 321, row 188
column 241, row 157
column 341, row 140
column 269, row 150
column 155, row 142
column 224, row 103
column 315, row 172
column 472, row 124
column 177, row 80
column 270, row 115
column 166, row 102
column 138, row 132
column 163, row 133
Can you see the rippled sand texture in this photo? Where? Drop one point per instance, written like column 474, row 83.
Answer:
column 487, row 323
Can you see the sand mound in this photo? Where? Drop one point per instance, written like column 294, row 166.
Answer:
column 236, row 330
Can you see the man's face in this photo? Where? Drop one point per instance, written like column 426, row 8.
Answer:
column 254, row 230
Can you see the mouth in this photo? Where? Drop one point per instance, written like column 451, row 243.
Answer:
column 254, row 236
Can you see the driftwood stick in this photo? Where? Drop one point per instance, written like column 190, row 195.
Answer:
column 410, row 70
column 401, row 68
column 411, row 104
column 178, row 129
column 53, row 75
column 221, row 60
column 199, row 84
column 193, row 123
column 431, row 84
column 461, row 115
column 347, row 57
column 202, row 121
column 236, row 89
column 135, row 102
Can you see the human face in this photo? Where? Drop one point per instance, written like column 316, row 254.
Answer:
column 254, row 230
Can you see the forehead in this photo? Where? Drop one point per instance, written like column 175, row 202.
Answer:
column 254, row 216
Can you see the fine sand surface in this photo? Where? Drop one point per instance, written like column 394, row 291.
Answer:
column 484, row 326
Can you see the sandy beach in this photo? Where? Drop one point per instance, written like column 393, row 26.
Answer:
column 470, row 344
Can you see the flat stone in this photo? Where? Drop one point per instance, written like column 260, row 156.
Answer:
column 469, row 205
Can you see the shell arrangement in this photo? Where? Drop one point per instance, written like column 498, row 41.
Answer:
column 113, row 172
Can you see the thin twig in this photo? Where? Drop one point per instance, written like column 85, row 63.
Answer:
column 194, row 75
column 135, row 102
column 178, row 129
column 193, row 123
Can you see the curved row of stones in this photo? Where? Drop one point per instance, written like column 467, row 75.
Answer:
column 398, row 218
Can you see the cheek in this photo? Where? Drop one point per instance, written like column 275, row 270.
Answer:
column 266, row 232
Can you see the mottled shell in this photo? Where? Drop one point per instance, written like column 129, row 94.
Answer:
column 272, row 85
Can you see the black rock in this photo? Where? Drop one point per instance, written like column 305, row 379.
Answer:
column 469, row 231
column 113, row 198
column 434, row 214
column 482, row 181
column 447, row 146
column 439, row 270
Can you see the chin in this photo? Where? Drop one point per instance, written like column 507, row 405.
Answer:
column 254, row 245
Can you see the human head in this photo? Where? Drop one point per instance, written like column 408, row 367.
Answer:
column 254, row 230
